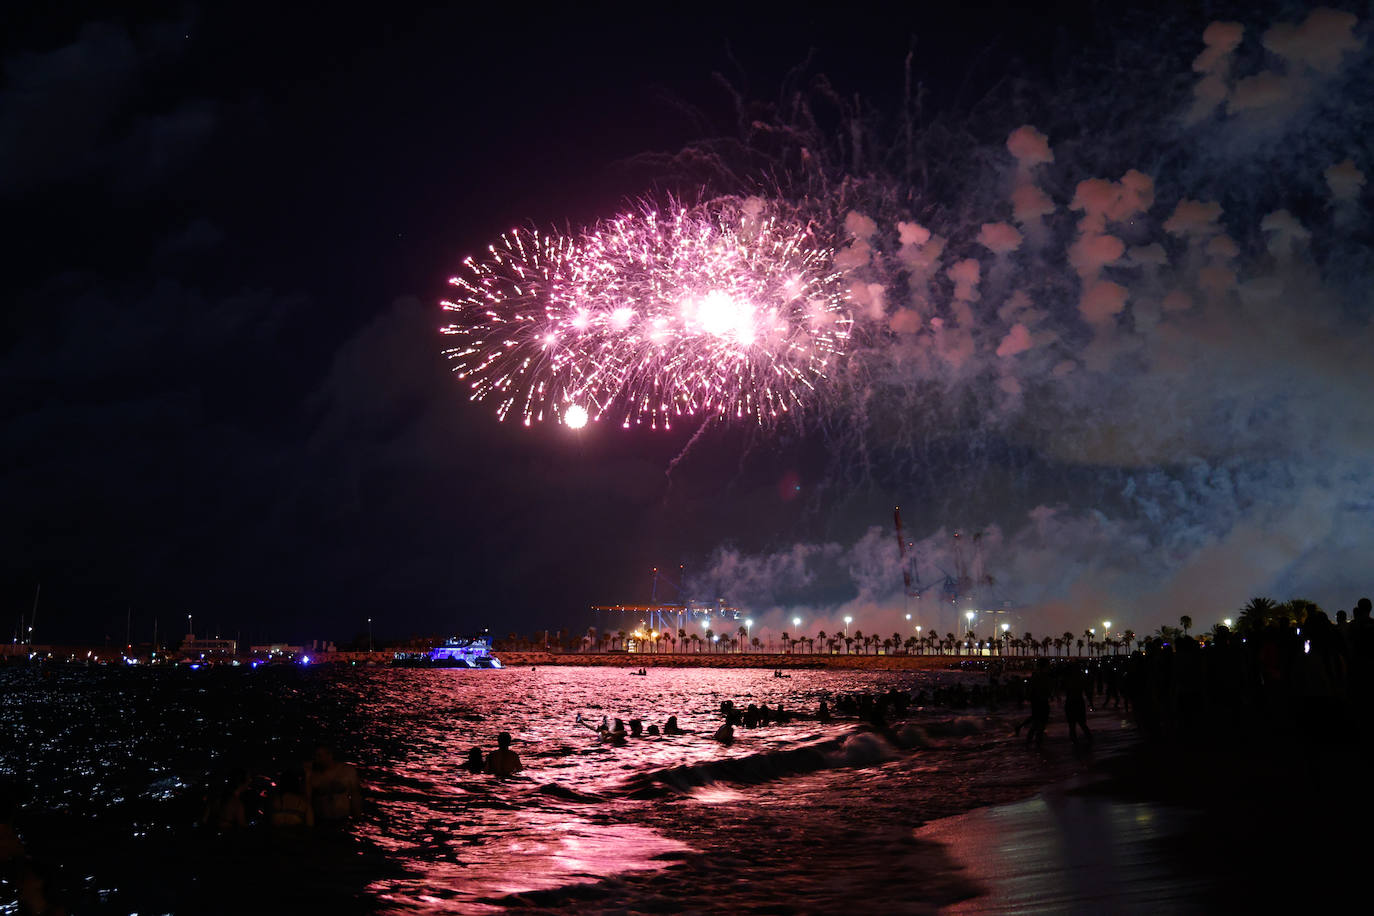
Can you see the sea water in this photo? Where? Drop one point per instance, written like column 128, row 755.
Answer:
column 113, row 767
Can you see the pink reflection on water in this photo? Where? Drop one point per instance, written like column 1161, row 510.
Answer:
column 518, row 853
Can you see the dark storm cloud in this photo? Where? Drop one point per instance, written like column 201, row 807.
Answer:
column 69, row 114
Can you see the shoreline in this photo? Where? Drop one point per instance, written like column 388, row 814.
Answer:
column 773, row 661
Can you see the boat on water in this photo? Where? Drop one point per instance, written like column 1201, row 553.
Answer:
column 456, row 652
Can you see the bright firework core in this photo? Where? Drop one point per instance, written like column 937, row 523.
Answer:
column 575, row 417
column 720, row 314
column 722, row 309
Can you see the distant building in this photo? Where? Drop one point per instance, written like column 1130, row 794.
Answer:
column 278, row 650
column 208, row 648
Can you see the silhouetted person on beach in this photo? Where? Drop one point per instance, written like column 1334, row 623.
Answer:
column 1112, row 687
column 1040, row 690
column 823, row 714
column 475, row 762
column 1359, row 638
column 333, row 787
column 1075, row 704
column 503, row 761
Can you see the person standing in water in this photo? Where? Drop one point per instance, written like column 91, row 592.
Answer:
column 503, row 761
column 333, row 788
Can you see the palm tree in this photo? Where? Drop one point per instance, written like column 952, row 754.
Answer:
column 785, row 640
column 820, row 637
column 710, row 639
column 1186, row 623
column 1129, row 637
column 1300, row 609
column 1255, row 615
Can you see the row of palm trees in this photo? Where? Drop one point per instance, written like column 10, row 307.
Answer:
column 1254, row 616
column 859, row 643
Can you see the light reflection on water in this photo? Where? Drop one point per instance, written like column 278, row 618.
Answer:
column 561, row 821
column 659, row 820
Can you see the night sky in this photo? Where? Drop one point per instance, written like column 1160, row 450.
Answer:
column 230, row 226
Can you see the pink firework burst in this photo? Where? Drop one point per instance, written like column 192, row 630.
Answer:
column 724, row 309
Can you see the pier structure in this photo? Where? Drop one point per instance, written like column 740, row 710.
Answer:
column 663, row 617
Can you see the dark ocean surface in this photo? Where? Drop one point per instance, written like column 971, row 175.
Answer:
column 113, row 767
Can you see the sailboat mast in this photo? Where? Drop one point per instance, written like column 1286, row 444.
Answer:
column 33, row 614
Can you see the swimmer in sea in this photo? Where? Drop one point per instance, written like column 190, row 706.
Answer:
column 725, row 734
column 287, row 805
column 333, row 788
column 670, row 727
column 503, row 761
column 225, row 811
column 475, row 763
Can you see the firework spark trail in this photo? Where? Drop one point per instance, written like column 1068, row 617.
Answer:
column 721, row 309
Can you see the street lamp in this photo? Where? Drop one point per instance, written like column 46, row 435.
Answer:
column 1106, row 627
column 847, row 622
column 369, row 634
column 748, row 633
column 190, row 630
column 1226, row 623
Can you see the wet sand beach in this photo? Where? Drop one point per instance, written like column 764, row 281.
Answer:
column 1231, row 822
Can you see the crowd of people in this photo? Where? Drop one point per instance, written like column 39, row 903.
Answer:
column 320, row 792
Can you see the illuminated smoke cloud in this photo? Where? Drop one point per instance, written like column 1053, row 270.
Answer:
column 1309, row 53
column 1147, row 388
